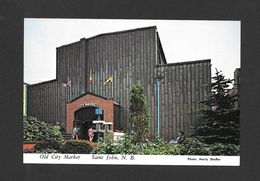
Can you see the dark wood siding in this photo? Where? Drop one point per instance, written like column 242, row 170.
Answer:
column 43, row 101
column 129, row 57
column 183, row 87
column 134, row 56
column 71, row 65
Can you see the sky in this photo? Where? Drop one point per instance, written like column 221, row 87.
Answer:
column 182, row 40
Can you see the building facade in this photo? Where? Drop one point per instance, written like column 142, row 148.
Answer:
column 99, row 71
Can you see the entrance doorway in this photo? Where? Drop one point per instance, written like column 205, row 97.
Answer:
column 84, row 120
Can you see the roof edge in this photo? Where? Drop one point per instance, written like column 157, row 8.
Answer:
column 86, row 93
column 187, row 62
column 48, row 81
column 110, row 33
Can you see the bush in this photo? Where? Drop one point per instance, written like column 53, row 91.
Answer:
column 50, row 146
column 138, row 114
column 36, row 130
column 107, row 146
column 158, row 147
column 75, row 146
column 193, row 146
column 53, row 132
column 128, row 146
column 33, row 129
column 225, row 149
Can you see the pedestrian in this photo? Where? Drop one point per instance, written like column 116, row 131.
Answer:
column 75, row 133
column 90, row 134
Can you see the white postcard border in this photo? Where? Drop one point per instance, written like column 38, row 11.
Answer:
column 116, row 159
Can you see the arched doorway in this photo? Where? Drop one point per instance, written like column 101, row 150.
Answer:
column 83, row 107
column 84, row 120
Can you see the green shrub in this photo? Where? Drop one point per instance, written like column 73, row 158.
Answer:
column 33, row 129
column 75, row 146
column 106, row 146
column 125, row 146
column 128, row 146
column 158, row 146
column 49, row 146
column 193, row 146
column 36, row 130
column 174, row 149
column 138, row 114
column 225, row 149
column 54, row 132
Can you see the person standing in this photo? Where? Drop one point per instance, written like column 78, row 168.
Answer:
column 75, row 133
column 90, row 134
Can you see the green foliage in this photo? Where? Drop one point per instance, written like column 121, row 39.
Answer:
column 139, row 117
column 49, row 146
column 193, row 146
column 105, row 146
column 128, row 146
column 220, row 119
column 225, row 149
column 125, row 146
column 33, row 129
column 54, row 132
column 158, row 147
column 36, row 130
column 75, row 146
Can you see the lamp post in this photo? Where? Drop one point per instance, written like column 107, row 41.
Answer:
column 158, row 79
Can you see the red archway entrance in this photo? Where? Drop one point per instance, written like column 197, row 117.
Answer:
column 84, row 118
column 82, row 110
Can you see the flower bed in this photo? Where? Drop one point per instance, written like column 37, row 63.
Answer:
column 29, row 145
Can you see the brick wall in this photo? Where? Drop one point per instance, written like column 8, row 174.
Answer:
column 105, row 104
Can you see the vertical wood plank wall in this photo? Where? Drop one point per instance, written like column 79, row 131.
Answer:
column 43, row 102
column 183, row 87
column 71, row 66
column 129, row 57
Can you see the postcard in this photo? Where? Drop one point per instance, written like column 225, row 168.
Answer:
column 131, row 92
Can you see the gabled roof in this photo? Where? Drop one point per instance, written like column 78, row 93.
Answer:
column 88, row 93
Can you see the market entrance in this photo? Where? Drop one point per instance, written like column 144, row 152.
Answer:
column 81, row 111
column 84, row 118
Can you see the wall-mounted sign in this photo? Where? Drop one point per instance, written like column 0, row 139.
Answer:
column 98, row 111
column 87, row 104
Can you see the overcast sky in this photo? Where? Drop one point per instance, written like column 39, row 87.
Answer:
column 181, row 41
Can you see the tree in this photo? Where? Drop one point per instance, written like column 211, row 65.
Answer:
column 220, row 117
column 139, row 117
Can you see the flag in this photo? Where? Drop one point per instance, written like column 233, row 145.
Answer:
column 66, row 83
column 110, row 79
column 90, row 76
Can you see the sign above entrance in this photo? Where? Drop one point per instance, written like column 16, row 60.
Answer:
column 98, row 111
column 86, row 104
